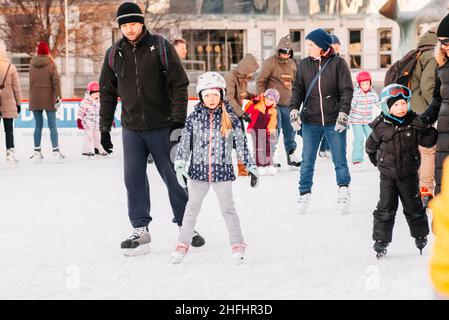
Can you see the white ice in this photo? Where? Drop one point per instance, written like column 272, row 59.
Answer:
column 61, row 226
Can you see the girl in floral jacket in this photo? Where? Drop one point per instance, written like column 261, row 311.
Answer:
column 210, row 133
column 89, row 120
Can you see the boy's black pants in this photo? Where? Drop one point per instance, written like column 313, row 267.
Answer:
column 408, row 191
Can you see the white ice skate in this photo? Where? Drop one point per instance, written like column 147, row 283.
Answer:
column 180, row 252
column 58, row 156
column 344, row 200
column 138, row 243
column 11, row 160
column 37, row 156
column 238, row 252
column 303, row 203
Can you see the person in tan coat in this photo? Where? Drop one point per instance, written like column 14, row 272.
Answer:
column 45, row 94
column 278, row 72
column 10, row 97
column 237, row 91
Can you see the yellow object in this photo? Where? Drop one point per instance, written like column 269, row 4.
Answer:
column 439, row 262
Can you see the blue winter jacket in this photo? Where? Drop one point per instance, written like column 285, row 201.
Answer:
column 209, row 153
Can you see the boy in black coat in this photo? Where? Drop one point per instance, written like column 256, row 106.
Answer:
column 393, row 148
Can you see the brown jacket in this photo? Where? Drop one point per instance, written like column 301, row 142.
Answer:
column 278, row 74
column 237, row 83
column 11, row 95
column 45, row 84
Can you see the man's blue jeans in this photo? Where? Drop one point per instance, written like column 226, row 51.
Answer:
column 311, row 136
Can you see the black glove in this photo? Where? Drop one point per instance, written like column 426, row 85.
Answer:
column 373, row 158
column 246, row 117
column 18, row 108
column 106, row 142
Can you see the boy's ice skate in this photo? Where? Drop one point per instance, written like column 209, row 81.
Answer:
column 303, row 203
column 179, row 253
column 37, row 156
column 238, row 252
column 138, row 243
column 380, row 247
column 421, row 243
column 344, row 200
column 11, row 160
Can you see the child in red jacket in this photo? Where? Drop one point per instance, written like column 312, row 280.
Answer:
column 263, row 127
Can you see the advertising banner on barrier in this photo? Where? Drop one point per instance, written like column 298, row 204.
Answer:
column 65, row 116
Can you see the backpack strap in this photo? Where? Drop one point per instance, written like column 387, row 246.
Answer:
column 162, row 52
column 112, row 53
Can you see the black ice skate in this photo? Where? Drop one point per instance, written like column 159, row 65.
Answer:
column 197, row 240
column 380, row 247
column 254, row 182
column 138, row 243
column 421, row 243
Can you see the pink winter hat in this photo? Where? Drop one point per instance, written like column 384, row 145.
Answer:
column 93, row 86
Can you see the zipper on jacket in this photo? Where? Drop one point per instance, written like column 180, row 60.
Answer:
column 137, row 83
column 211, row 117
column 319, row 90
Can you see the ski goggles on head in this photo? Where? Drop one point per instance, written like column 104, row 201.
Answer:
column 444, row 42
column 286, row 50
column 395, row 91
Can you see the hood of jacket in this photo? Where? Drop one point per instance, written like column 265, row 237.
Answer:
column 428, row 39
column 40, row 61
column 247, row 65
column 285, row 42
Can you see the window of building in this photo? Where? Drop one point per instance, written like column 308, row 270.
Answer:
column 219, row 50
column 385, row 47
column 355, row 49
column 296, row 37
column 268, row 43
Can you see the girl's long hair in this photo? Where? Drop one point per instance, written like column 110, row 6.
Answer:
column 226, row 122
column 440, row 55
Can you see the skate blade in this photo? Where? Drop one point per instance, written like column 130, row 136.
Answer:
column 381, row 255
column 239, row 259
column 141, row 250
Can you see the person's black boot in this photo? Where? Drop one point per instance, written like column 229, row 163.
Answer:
column 421, row 243
column 197, row 240
column 380, row 247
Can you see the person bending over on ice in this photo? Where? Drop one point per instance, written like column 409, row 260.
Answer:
column 393, row 148
column 207, row 142
column 263, row 130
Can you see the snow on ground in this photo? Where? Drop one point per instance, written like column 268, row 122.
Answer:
column 61, row 226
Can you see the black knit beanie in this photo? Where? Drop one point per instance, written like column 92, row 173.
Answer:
column 129, row 12
column 392, row 100
column 443, row 27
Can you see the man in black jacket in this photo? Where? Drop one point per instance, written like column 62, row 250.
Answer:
column 154, row 99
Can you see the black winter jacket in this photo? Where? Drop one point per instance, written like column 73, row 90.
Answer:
column 331, row 94
column 396, row 144
column 149, row 98
column 439, row 110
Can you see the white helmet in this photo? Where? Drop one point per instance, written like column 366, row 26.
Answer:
column 211, row 80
